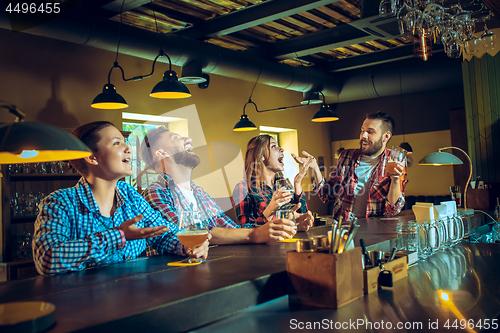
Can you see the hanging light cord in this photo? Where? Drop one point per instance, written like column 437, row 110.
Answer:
column 119, row 32
column 161, row 53
column 156, row 24
column 401, row 102
column 276, row 109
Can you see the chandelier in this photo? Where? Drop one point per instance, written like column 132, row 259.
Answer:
column 450, row 23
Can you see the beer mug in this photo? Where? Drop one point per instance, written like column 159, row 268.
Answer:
column 434, row 236
column 459, row 229
column 408, row 236
column 430, row 239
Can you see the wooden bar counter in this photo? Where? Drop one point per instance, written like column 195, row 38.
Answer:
column 244, row 288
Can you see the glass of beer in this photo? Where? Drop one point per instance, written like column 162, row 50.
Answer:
column 396, row 155
column 192, row 232
column 289, row 215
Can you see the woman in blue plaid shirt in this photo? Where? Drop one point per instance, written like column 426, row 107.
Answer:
column 100, row 220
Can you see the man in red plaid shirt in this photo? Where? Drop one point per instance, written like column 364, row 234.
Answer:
column 359, row 184
column 171, row 156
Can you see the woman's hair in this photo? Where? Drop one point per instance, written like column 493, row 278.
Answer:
column 88, row 134
column 257, row 148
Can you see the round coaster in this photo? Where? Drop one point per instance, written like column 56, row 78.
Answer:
column 178, row 263
column 26, row 316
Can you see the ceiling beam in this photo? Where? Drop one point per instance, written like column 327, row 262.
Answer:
column 375, row 58
column 116, row 5
column 356, row 32
column 252, row 16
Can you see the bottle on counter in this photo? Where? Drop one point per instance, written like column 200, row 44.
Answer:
column 456, row 195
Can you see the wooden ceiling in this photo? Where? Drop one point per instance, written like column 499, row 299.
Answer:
column 319, row 33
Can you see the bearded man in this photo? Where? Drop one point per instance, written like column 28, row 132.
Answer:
column 359, row 184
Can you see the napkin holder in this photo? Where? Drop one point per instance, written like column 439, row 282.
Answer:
column 324, row 280
column 398, row 267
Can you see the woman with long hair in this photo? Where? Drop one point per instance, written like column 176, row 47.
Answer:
column 261, row 193
column 100, row 220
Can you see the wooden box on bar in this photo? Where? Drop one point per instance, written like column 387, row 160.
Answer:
column 397, row 266
column 324, row 280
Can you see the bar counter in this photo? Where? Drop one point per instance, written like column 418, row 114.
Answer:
column 244, row 288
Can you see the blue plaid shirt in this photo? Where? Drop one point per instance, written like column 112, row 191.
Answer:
column 71, row 234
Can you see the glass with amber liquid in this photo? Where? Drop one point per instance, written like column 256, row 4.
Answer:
column 289, row 215
column 192, row 232
column 396, row 156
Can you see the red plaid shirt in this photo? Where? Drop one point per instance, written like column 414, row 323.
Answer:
column 340, row 187
column 170, row 201
column 249, row 207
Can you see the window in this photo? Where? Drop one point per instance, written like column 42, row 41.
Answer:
column 274, row 135
column 136, row 133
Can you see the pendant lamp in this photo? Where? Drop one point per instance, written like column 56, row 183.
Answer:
column 31, row 142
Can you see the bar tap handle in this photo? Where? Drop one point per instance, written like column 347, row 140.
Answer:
column 368, row 262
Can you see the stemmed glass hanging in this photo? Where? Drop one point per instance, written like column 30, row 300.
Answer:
column 454, row 25
column 488, row 39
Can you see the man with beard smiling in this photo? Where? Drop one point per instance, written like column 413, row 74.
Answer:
column 359, row 184
column 171, row 156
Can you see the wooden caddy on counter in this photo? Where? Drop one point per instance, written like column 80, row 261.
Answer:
column 323, row 279
column 333, row 280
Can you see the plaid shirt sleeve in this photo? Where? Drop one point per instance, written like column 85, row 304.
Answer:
column 210, row 207
column 162, row 200
column 166, row 243
column 328, row 189
column 382, row 191
column 245, row 209
column 302, row 200
column 54, row 247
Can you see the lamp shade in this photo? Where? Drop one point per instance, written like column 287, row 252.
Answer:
column 406, row 146
column 109, row 99
column 170, row 87
column 324, row 114
column 31, row 142
column 244, row 124
column 440, row 158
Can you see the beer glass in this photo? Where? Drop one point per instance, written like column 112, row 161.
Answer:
column 289, row 215
column 396, row 155
column 287, row 187
column 192, row 232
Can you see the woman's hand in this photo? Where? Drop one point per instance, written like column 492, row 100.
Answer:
column 280, row 197
column 133, row 232
column 201, row 251
column 305, row 164
column 308, row 157
column 312, row 163
column 281, row 229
